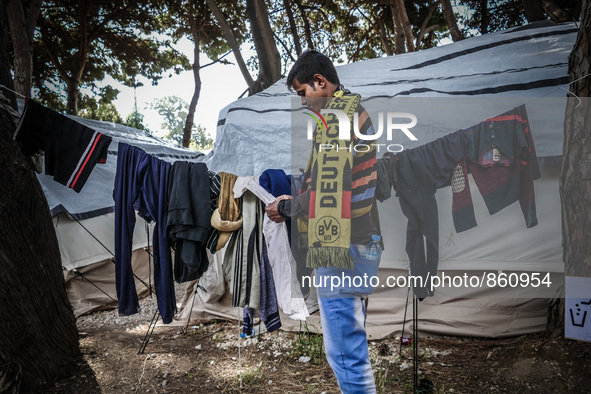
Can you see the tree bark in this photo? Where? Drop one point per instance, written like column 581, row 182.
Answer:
column 450, row 18
column 306, row 22
column 556, row 13
column 484, row 17
column 232, row 42
column 424, row 30
column 264, row 43
column 22, row 27
column 188, row 129
column 575, row 176
column 398, row 31
column 533, row 10
column 575, row 185
column 37, row 325
column 384, row 39
column 408, row 37
column 5, row 50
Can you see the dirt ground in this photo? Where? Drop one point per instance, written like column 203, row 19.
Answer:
column 210, row 357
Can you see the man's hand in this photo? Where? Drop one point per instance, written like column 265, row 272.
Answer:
column 272, row 211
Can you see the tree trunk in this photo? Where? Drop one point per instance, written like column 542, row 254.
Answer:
column 264, row 43
column 188, row 129
column 575, row 176
column 217, row 13
column 398, row 31
column 450, row 18
column 21, row 32
column 292, row 27
column 72, row 88
column 424, row 30
column 37, row 325
column 384, row 39
column 575, row 185
column 556, row 13
column 5, row 77
column 408, row 37
column 533, row 10
column 484, row 17
column 306, row 22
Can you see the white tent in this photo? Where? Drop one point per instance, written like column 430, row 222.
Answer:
column 465, row 83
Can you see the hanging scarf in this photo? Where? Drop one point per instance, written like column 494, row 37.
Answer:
column 328, row 228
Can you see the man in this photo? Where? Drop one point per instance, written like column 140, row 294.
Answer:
column 338, row 201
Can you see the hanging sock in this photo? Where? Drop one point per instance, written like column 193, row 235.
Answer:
column 247, row 329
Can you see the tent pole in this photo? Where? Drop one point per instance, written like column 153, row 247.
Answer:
column 415, row 329
column 79, row 274
column 111, row 253
column 404, row 320
column 148, row 335
column 192, row 304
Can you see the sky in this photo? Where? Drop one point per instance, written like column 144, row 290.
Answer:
column 220, row 85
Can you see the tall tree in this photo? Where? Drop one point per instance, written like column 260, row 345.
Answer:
column 22, row 18
column 575, row 180
column 562, row 10
column 233, row 42
column 5, row 56
column 268, row 60
column 268, row 57
column 454, row 30
column 194, row 19
column 82, row 41
column 37, row 326
column 402, row 14
column 533, row 10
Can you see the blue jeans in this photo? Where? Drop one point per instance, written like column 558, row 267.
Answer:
column 342, row 313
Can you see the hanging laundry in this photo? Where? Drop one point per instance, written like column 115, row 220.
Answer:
column 417, row 173
column 269, row 308
column 242, row 258
column 71, row 149
column 214, row 193
column 247, row 322
column 383, row 184
column 502, row 159
column 283, row 265
column 188, row 222
column 141, row 184
column 278, row 183
column 275, row 182
column 227, row 217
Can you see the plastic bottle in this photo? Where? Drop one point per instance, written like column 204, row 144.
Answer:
column 373, row 250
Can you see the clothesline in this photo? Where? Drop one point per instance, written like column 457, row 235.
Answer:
column 10, row 90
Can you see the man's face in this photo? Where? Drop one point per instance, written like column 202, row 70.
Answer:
column 313, row 97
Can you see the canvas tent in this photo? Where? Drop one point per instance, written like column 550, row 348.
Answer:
column 84, row 222
column 465, row 83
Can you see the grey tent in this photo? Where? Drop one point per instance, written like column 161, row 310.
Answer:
column 449, row 87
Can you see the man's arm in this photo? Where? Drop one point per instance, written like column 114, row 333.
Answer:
column 285, row 207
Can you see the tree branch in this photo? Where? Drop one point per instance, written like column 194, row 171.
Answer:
column 219, row 59
column 422, row 31
column 232, row 42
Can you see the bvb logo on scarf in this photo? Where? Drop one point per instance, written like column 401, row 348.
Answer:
column 330, row 167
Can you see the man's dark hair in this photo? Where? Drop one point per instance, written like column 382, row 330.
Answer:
column 310, row 63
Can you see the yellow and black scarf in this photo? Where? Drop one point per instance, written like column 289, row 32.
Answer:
column 329, row 167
